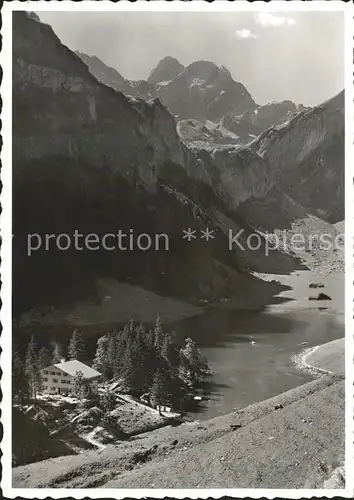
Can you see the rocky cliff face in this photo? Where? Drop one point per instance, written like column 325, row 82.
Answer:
column 289, row 171
column 307, row 156
column 205, row 91
column 61, row 109
column 255, row 121
column 208, row 135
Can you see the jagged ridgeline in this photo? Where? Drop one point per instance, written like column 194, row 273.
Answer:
column 88, row 157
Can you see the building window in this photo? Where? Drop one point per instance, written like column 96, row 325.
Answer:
column 45, row 372
column 52, row 373
column 55, row 380
column 65, row 382
column 45, row 379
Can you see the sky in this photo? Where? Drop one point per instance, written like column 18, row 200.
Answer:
column 298, row 56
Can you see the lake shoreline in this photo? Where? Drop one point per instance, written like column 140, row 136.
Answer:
column 300, row 361
column 334, row 307
column 279, row 340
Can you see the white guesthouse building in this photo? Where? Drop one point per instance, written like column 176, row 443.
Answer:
column 57, row 378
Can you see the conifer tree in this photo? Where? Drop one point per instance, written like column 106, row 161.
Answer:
column 77, row 348
column 44, row 357
column 119, row 354
column 19, row 378
column 79, row 385
column 58, row 353
column 158, row 390
column 130, row 328
column 176, row 392
column 108, row 401
column 32, row 368
column 132, row 367
column 150, row 338
column 193, row 364
column 158, row 334
column 101, row 361
column 111, row 354
column 147, row 358
column 167, row 349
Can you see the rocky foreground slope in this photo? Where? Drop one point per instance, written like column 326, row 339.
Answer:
column 295, row 440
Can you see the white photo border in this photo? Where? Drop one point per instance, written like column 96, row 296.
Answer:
column 6, row 247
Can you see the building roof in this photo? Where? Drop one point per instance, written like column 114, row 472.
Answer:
column 73, row 366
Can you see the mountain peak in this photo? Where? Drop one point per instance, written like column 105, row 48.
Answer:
column 167, row 69
column 105, row 74
column 33, row 15
column 201, row 69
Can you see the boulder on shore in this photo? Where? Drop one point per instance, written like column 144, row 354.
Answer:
column 321, row 296
column 316, row 285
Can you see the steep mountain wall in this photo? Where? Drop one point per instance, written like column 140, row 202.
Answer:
column 307, row 157
column 254, row 121
column 205, row 91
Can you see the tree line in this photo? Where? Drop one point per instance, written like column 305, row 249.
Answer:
column 148, row 362
column 151, row 363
